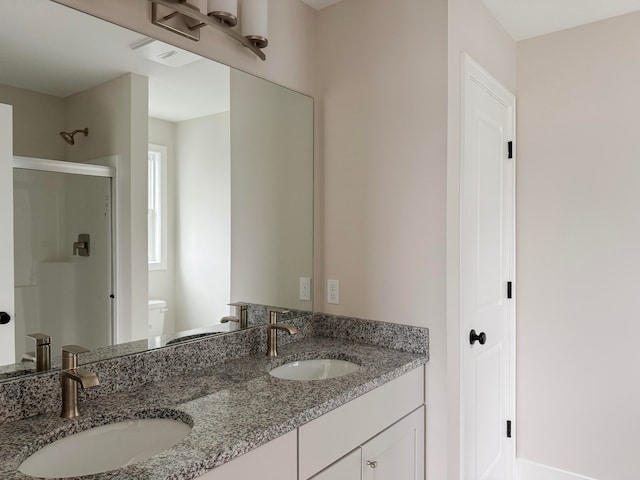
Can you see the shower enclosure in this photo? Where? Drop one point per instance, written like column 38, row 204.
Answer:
column 63, row 253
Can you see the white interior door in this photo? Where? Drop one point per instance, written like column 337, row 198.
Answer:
column 487, row 245
column 7, row 335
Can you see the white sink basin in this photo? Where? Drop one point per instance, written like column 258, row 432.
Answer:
column 316, row 369
column 105, row 448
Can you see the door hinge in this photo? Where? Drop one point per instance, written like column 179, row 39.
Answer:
column 508, row 428
column 509, row 289
column 510, row 149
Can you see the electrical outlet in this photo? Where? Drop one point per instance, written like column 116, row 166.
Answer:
column 305, row 288
column 333, row 291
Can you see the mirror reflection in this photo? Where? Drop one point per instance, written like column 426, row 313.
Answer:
column 152, row 188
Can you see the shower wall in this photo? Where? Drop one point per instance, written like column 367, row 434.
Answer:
column 63, row 295
column 37, row 119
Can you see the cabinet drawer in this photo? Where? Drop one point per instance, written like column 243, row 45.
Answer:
column 331, row 436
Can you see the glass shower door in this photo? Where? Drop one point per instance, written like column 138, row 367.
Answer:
column 62, row 259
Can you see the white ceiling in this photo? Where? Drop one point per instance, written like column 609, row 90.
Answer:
column 531, row 18
column 52, row 49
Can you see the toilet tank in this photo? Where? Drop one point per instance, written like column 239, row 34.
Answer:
column 157, row 308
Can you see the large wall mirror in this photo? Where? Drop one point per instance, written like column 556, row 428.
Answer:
column 152, row 187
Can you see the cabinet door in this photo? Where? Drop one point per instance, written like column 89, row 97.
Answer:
column 398, row 452
column 347, row 468
column 277, row 460
column 333, row 435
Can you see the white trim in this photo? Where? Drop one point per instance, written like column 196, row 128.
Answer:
column 528, row 470
column 59, row 166
column 113, row 162
column 471, row 71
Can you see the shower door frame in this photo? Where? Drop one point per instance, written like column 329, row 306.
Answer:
column 88, row 170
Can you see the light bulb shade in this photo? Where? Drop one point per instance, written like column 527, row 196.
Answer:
column 226, row 11
column 254, row 16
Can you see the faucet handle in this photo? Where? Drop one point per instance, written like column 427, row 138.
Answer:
column 70, row 355
column 42, row 355
column 40, row 338
column 238, row 304
column 72, row 350
column 274, row 313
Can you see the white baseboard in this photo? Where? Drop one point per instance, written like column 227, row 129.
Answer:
column 528, row 470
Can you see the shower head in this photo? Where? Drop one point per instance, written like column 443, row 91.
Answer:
column 68, row 137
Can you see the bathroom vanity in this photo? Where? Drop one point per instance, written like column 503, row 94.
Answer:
column 378, row 435
column 246, row 423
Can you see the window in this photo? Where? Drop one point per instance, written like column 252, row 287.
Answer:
column 157, row 213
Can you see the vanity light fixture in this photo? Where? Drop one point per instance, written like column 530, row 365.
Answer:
column 255, row 21
column 226, row 11
column 185, row 18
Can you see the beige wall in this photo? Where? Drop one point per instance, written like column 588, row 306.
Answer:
column 37, row 121
column 384, row 77
column 271, row 185
column 472, row 29
column 116, row 114
column 203, row 218
column 578, row 257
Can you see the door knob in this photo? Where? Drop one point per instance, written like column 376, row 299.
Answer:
column 481, row 337
column 372, row 463
column 4, row 318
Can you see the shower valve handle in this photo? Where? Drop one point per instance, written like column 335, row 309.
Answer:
column 4, row 318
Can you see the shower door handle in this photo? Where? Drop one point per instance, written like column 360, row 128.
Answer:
column 81, row 247
column 4, row 318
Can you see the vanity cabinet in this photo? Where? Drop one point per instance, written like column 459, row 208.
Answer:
column 396, row 453
column 276, row 460
column 360, row 422
column 347, row 468
column 377, row 436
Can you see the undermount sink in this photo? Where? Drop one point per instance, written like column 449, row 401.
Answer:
column 105, row 448
column 316, row 369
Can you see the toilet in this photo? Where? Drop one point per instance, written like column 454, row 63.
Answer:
column 157, row 308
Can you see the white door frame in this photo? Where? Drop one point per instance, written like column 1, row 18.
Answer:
column 7, row 301
column 473, row 72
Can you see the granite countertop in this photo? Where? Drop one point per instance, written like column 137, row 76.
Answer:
column 233, row 407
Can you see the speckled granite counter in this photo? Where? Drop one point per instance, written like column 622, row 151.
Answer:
column 233, row 407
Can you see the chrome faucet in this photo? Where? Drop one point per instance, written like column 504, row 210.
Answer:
column 72, row 376
column 272, row 330
column 42, row 355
